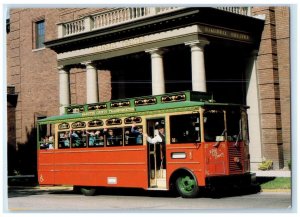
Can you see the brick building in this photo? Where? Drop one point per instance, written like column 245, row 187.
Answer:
column 90, row 55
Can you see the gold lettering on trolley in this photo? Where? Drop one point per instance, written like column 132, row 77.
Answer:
column 214, row 153
column 42, row 178
column 108, row 111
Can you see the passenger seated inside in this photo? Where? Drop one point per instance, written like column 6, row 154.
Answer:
column 46, row 143
column 64, row 139
column 112, row 138
column 137, row 132
column 76, row 138
column 95, row 138
column 92, row 137
column 127, row 136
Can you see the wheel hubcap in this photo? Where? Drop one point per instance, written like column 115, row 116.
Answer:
column 187, row 184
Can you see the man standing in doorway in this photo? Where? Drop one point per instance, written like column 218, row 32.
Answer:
column 159, row 141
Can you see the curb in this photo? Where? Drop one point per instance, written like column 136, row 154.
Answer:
column 277, row 190
column 273, row 173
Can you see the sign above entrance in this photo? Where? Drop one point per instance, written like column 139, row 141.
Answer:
column 224, row 33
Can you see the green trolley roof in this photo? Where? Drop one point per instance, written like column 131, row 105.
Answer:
column 145, row 105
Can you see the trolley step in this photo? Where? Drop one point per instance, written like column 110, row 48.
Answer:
column 157, row 189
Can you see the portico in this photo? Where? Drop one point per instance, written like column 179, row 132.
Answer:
column 185, row 48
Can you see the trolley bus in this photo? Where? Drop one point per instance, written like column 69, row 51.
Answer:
column 206, row 144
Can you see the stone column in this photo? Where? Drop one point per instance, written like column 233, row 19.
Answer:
column 64, row 88
column 157, row 67
column 91, row 83
column 255, row 146
column 198, row 66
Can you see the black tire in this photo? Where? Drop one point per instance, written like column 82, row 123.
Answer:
column 187, row 186
column 88, row 191
column 76, row 189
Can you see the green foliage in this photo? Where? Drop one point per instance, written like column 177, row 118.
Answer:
column 266, row 165
column 277, row 183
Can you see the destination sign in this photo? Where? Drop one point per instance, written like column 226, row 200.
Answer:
column 108, row 111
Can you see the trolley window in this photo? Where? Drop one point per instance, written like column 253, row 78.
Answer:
column 46, row 136
column 78, row 138
column 95, row 138
column 63, row 139
column 214, row 125
column 133, row 135
column 114, row 136
column 185, row 128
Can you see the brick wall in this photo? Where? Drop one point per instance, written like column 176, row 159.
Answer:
column 282, row 19
column 34, row 72
column 274, row 85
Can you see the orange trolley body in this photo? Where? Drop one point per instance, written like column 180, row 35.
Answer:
column 189, row 164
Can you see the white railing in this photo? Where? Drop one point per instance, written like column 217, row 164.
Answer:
column 117, row 16
column 74, row 27
column 108, row 18
column 237, row 10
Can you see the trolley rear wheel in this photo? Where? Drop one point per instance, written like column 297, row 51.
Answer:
column 88, row 191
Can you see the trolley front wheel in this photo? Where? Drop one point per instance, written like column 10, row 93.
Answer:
column 187, row 186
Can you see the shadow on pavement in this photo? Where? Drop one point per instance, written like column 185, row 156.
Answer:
column 218, row 193
column 24, row 191
column 204, row 193
column 262, row 180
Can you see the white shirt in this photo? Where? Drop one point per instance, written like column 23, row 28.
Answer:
column 155, row 139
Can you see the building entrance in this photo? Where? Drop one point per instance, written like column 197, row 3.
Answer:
column 130, row 75
column 226, row 67
column 227, row 74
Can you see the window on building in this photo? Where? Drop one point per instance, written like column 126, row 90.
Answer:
column 39, row 34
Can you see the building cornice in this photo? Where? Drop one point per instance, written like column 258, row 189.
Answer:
column 159, row 23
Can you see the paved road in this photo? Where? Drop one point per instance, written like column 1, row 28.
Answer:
column 132, row 200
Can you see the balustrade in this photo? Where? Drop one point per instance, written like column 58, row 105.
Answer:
column 237, row 10
column 122, row 15
column 108, row 18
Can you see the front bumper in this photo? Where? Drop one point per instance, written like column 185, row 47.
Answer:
column 236, row 180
